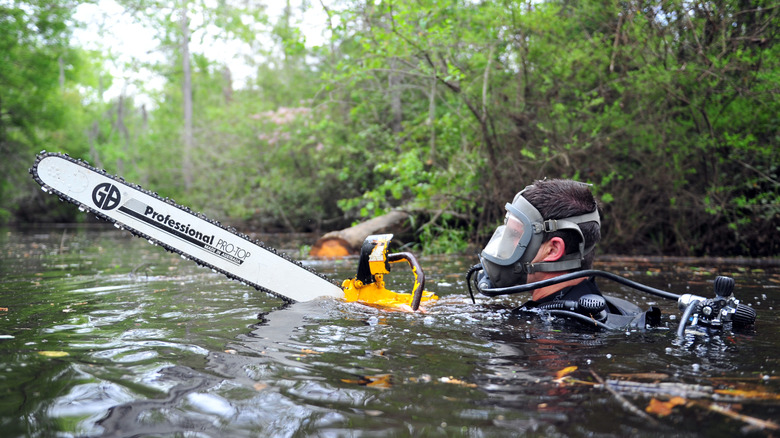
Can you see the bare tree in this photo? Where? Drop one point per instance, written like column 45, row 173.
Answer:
column 186, row 98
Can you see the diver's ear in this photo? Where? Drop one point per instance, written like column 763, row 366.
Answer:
column 555, row 249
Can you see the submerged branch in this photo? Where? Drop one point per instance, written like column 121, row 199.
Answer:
column 625, row 403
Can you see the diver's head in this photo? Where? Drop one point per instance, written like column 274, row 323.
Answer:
column 540, row 212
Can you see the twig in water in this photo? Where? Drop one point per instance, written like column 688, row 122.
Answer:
column 752, row 421
column 62, row 241
column 625, row 403
column 134, row 272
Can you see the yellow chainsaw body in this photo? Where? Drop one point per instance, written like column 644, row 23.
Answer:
column 369, row 286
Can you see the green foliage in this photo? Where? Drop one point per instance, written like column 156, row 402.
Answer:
column 442, row 108
column 38, row 81
column 444, row 239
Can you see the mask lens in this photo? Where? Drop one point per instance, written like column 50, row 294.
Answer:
column 504, row 242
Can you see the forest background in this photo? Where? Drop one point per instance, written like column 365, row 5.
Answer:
column 443, row 108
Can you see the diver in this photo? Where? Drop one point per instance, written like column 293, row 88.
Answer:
column 549, row 234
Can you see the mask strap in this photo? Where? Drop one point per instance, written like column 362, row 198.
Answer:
column 572, row 223
column 571, row 261
column 566, row 263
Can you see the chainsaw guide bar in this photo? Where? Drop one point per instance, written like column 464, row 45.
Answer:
column 178, row 229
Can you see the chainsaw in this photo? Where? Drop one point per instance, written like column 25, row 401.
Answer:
column 178, row 229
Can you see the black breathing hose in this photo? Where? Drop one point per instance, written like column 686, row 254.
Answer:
column 585, row 318
column 497, row 291
column 472, row 270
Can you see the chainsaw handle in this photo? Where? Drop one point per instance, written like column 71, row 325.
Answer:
column 419, row 276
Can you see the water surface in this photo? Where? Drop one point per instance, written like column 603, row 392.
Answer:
column 102, row 334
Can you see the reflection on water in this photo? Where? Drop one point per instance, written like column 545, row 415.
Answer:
column 105, row 335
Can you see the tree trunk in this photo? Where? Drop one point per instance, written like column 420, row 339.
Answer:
column 348, row 241
column 187, row 99
column 122, row 128
column 394, row 90
column 227, row 88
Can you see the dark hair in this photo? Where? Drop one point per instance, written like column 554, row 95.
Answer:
column 562, row 198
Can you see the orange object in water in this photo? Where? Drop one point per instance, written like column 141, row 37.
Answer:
column 331, row 249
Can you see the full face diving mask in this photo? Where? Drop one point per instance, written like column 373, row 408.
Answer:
column 507, row 257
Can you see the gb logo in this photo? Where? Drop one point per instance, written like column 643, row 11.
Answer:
column 106, row 196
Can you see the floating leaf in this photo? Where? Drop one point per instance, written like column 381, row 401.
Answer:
column 354, row 382
column 53, row 353
column 565, row 372
column 561, row 375
column 663, row 408
column 305, row 352
column 454, row 381
column 382, row 381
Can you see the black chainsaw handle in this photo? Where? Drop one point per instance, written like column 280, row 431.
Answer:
column 419, row 276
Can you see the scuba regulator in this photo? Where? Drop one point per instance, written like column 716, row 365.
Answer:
column 724, row 312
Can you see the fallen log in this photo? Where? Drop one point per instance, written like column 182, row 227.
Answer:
column 342, row 243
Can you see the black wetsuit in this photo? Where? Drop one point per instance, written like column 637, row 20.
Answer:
column 618, row 314
column 572, row 293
